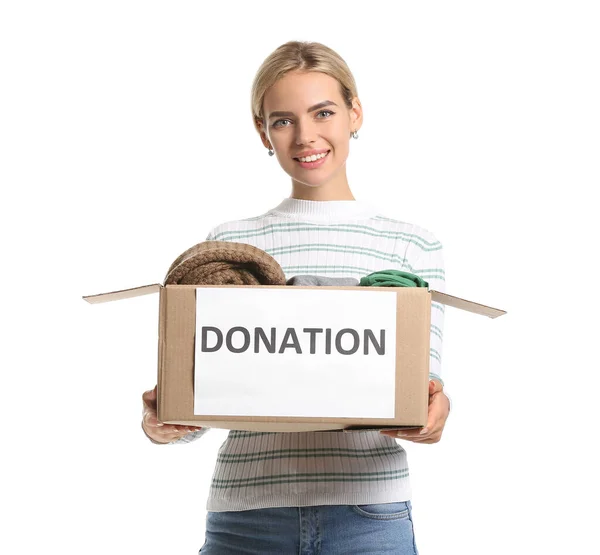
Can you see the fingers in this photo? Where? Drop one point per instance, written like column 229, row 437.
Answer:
column 435, row 387
column 151, row 422
column 149, row 398
column 428, row 440
column 175, row 430
column 166, row 432
column 436, row 420
column 430, row 436
column 155, row 428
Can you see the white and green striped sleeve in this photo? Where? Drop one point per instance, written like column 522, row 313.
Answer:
column 429, row 265
column 188, row 438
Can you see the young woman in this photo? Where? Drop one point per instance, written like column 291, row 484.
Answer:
column 317, row 492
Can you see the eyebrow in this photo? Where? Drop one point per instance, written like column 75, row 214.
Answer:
column 311, row 109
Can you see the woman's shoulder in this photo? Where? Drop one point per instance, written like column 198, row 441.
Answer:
column 409, row 230
column 226, row 229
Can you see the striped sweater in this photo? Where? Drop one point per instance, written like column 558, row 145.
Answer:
column 293, row 469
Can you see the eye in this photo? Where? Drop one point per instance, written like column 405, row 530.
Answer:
column 278, row 121
column 275, row 124
column 325, row 111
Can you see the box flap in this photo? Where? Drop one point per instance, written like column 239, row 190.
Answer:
column 123, row 294
column 456, row 302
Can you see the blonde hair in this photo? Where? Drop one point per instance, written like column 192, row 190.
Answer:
column 303, row 56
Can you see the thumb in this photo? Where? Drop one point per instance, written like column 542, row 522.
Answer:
column 434, row 387
column 149, row 397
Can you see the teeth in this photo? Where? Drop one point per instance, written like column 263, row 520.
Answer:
column 313, row 157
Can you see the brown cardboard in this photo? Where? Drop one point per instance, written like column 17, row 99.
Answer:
column 123, row 294
column 176, row 351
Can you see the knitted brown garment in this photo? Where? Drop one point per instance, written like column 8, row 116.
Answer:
column 225, row 262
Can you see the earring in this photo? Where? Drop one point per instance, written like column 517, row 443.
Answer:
column 271, row 152
column 354, row 135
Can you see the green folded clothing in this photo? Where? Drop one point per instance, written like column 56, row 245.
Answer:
column 393, row 278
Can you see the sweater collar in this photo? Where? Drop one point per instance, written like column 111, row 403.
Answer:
column 324, row 210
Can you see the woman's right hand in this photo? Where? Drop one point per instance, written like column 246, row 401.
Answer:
column 157, row 430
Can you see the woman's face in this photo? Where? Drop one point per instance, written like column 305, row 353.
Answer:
column 304, row 111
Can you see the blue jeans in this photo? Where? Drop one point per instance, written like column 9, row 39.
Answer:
column 321, row 530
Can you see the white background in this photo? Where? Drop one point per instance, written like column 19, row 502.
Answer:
column 126, row 134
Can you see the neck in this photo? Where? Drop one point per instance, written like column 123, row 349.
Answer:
column 321, row 195
column 326, row 211
column 336, row 188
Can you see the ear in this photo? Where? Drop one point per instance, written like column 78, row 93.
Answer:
column 356, row 114
column 263, row 133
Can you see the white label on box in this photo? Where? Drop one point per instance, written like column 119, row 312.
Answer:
column 295, row 352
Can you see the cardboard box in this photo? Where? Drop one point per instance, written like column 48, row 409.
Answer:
column 292, row 358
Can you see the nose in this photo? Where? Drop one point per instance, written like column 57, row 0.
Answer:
column 305, row 132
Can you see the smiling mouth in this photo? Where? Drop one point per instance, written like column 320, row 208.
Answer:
column 309, row 161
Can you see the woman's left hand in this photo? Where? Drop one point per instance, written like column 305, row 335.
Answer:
column 439, row 408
